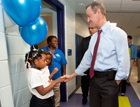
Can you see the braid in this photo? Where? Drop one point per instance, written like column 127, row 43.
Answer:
column 29, row 59
column 31, row 56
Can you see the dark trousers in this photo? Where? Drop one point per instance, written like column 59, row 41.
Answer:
column 123, row 86
column 36, row 102
column 85, row 82
column 103, row 91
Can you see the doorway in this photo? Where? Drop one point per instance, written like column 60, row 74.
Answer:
column 57, row 26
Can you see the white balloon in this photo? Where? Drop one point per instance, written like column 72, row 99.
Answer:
column 7, row 20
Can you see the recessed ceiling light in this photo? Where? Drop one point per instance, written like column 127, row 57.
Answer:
column 81, row 4
column 135, row 0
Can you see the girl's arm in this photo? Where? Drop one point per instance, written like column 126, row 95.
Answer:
column 43, row 91
column 55, row 70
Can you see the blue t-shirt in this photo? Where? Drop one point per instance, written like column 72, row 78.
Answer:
column 133, row 51
column 58, row 61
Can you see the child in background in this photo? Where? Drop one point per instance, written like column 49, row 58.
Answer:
column 38, row 79
column 53, row 70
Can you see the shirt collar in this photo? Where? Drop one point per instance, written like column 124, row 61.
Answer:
column 39, row 71
column 44, row 69
column 50, row 51
column 105, row 26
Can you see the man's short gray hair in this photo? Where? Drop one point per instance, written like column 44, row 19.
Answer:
column 97, row 5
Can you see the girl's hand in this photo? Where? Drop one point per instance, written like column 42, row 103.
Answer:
column 50, row 77
column 50, row 81
column 67, row 78
column 60, row 80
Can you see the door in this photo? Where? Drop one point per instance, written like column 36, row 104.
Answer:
column 58, row 30
column 78, row 40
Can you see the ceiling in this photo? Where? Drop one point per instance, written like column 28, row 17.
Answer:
column 126, row 13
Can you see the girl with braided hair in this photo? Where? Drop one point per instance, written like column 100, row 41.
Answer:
column 38, row 78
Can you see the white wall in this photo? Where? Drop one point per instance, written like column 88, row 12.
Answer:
column 13, row 82
column 16, row 55
column 5, row 84
column 136, row 40
column 81, row 27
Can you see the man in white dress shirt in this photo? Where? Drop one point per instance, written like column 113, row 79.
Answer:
column 112, row 60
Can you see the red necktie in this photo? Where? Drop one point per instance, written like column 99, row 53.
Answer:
column 91, row 73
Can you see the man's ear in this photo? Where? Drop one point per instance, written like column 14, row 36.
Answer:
column 98, row 12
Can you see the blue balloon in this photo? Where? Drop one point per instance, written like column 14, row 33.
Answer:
column 22, row 12
column 34, row 33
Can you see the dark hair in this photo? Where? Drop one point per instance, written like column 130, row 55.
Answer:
column 34, row 48
column 97, row 5
column 49, row 39
column 129, row 37
column 32, row 55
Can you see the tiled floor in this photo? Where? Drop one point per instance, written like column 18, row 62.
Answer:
column 133, row 81
column 76, row 99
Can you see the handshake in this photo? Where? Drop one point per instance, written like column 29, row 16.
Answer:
column 66, row 78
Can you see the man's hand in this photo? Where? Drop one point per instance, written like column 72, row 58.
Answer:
column 135, row 63
column 69, row 77
column 118, row 81
column 58, row 80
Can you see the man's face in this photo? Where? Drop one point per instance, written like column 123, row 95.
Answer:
column 92, row 30
column 129, row 41
column 92, row 17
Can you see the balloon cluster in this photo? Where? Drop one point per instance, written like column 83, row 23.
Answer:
column 26, row 13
